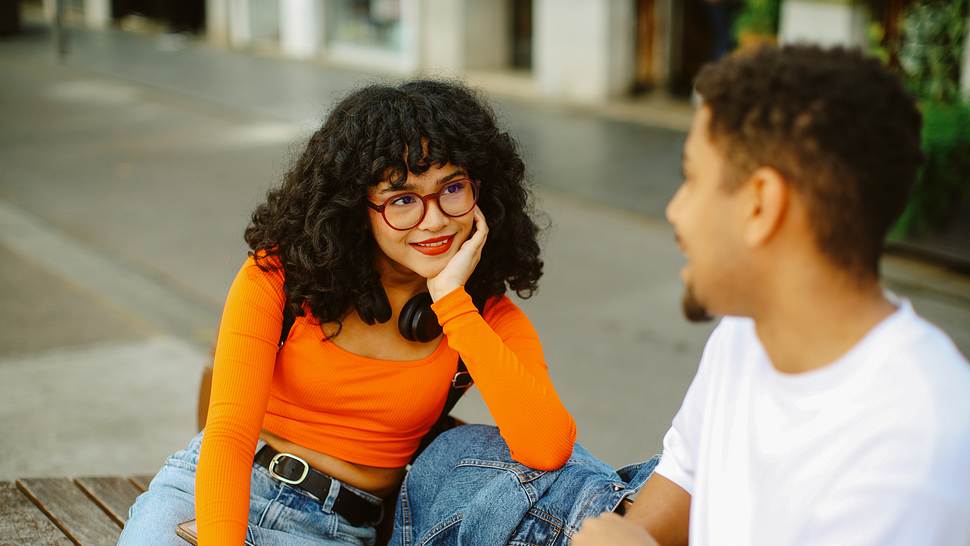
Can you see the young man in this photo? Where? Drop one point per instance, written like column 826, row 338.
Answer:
column 824, row 411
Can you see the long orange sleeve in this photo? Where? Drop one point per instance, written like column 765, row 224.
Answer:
column 244, row 361
column 505, row 358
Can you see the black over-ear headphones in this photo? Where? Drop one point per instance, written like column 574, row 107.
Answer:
column 417, row 321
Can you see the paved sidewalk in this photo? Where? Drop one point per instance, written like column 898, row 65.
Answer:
column 129, row 175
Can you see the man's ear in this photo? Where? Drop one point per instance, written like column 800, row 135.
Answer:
column 767, row 205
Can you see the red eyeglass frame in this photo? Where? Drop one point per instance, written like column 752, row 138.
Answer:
column 425, row 198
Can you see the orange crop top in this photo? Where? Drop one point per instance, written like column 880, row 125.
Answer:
column 363, row 410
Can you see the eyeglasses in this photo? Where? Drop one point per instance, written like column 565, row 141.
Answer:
column 406, row 210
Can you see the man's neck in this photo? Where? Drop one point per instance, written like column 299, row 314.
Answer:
column 811, row 326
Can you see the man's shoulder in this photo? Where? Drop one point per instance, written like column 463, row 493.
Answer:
column 920, row 353
column 921, row 384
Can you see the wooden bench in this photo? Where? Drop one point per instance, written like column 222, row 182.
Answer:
column 85, row 511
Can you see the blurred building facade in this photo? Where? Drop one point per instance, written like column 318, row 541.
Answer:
column 578, row 50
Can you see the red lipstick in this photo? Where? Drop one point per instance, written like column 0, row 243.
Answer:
column 435, row 245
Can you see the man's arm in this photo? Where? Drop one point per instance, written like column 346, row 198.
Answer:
column 658, row 517
column 662, row 508
column 610, row 529
column 661, row 512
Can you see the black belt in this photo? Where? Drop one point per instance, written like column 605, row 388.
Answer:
column 294, row 471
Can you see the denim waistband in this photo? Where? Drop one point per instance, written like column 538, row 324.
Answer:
column 291, row 495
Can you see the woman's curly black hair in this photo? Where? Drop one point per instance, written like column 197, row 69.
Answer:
column 316, row 222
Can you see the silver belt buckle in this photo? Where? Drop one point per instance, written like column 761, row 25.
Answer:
column 462, row 380
column 276, row 459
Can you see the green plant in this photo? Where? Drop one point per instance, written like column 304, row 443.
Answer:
column 945, row 176
column 930, row 56
column 931, row 52
column 758, row 17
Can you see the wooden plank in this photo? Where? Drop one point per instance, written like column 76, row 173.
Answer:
column 21, row 522
column 141, row 482
column 114, row 495
column 71, row 510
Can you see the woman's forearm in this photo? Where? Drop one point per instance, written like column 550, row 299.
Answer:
column 511, row 374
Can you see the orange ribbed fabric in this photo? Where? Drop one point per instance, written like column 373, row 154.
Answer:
column 363, row 410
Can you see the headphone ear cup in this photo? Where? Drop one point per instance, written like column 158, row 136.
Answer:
column 417, row 321
column 404, row 325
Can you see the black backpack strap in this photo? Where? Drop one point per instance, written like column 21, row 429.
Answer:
column 288, row 320
column 460, row 383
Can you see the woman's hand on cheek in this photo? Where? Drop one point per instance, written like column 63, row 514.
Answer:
column 463, row 263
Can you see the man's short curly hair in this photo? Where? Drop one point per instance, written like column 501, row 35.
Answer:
column 838, row 126
column 316, row 222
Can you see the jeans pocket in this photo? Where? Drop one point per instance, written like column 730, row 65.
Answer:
column 538, row 528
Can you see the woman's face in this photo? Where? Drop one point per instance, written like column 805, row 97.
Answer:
column 426, row 248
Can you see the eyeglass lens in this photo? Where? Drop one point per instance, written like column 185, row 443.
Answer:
column 406, row 211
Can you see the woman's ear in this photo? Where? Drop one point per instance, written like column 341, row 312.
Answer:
column 767, row 206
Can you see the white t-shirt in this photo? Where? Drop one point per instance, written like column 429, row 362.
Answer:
column 872, row 449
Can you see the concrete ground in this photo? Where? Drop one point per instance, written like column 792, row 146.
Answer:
column 128, row 174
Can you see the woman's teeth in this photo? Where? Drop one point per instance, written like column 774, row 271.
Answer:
column 439, row 243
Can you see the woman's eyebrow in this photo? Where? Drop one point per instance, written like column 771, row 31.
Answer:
column 411, row 187
column 452, row 176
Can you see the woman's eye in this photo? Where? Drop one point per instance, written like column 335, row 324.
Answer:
column 403, row 200
column 455, row 188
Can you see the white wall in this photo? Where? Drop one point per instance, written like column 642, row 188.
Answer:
column 253, row 21
column 584, row 48
column 217, row 21
column 827, row 23
column 441, row 37
column 97, row 13
column 458, row 35
column 302, row 27
column 488, row 34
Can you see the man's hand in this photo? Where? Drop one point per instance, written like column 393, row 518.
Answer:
column 610, row 529
column 463, row 263
column 663, row 509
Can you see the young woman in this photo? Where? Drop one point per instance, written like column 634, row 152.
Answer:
column 404, row 191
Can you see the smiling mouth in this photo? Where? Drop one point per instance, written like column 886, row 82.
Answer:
column 437, row 241
column 437, row 245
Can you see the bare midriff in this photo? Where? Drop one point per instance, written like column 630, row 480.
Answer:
column 382, row 482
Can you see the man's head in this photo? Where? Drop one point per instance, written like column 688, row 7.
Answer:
column 798, row 152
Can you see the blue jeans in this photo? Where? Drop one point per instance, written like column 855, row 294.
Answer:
column 278, row 513
column 465, row 489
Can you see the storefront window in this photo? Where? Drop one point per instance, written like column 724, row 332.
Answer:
column 368, row 23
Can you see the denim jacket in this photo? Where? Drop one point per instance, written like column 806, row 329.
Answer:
column 465, row 489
